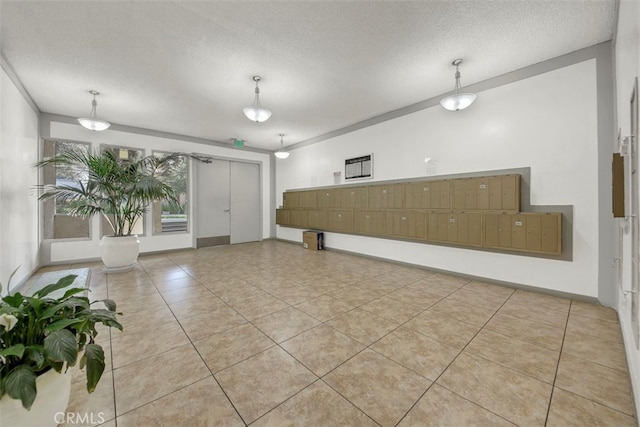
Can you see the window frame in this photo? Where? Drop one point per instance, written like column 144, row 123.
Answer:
column 104, row 226
column 187, row 206
column 49, row 207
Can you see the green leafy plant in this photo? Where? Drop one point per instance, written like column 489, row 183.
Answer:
column 119, row 190
column 39, row 333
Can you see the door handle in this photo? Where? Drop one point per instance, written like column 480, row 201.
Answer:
column 228, row 210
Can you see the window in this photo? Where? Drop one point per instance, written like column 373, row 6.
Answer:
column 171, row 217
column 123, row 154
column 58, row 224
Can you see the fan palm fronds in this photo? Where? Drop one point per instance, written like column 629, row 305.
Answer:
column 119, row 191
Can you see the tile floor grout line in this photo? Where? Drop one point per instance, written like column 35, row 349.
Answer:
column 455, row 358
column 224, row 302
column 113, row 376
column 291, row 337
column 322, row 323
column 590, row 361
column 276, row 344
column 597, row 363
column 369, row 347
column 406, row 367
column 332, row 369
column 555, row 376
column 218, row 382
column 199, row 355
column 349, row 358
column 242, row 360
column 415, row 403
column 466, row 345
column 286, row 400
column 347, row 399
column 532, row 321
column 391, row 273
column 520, row 340
column 511, row 369
column 615, row 322
column 161, row 397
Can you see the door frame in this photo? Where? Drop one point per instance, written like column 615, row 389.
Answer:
column 237, row 217
column 196, row 186
column 634, row 193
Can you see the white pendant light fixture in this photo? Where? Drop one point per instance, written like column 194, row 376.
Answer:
column 458, row 101
column 92, row 122
column 255, row 112
column 281, row 154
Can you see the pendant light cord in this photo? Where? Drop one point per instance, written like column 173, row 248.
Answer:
column 458, row 85
column 257, row 99
column 94, row 105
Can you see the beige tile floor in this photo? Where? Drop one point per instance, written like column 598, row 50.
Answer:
column 270, row 334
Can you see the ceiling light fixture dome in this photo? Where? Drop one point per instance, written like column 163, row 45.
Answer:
column 457, row 101
column 256, row 112
column 92, row 122
column 281, row 154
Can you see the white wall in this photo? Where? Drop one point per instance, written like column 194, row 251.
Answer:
column 547, row 122
column 69, row 250
column 18, row 204
column 627, row 48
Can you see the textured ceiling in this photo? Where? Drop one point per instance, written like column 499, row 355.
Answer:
column 185, row 67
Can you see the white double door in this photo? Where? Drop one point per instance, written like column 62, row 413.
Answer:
column 227, row 203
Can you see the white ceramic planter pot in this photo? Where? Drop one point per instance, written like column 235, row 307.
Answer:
column 119, row 253
column 48, row 409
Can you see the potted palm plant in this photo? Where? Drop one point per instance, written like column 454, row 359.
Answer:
column 40, row 337
column 118, row 190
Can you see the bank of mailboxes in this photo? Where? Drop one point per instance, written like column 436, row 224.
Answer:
column 500, row 192
column 475, row 212
column 428, row 195
column 462, row 227
column 527, row 231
